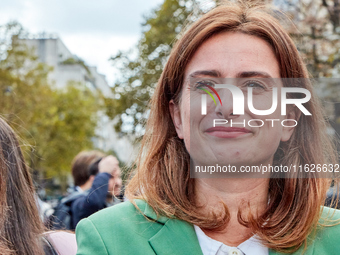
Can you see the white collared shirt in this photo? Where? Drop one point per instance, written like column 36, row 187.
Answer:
column 209, row 246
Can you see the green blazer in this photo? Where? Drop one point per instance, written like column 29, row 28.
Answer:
column 122, row 229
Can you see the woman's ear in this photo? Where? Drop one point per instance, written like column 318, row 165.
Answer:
column 292, row 117
column 176, row 118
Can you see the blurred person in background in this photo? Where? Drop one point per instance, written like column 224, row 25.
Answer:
column 114, row 196
column 21, row 230
column 83, row 177
column 101, row 173
column 92, row 172
column 81, row 172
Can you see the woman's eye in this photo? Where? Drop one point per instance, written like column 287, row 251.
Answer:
column 255, row 85
column 204, row 83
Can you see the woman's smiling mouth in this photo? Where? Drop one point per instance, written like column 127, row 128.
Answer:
column 227, row 132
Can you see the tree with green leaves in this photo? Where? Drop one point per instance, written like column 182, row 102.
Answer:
column 54, row 125
column 141, row 69
column 316, row 31
column 317, row 35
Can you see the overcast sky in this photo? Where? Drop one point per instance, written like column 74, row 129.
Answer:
column 93, row 30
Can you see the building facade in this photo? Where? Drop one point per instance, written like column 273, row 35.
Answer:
column 68, row 67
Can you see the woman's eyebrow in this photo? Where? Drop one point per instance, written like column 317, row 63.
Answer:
column 212, row 73
column 217, row 74
column 253, row 74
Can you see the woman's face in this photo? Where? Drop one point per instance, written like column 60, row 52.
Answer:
column 247, row 60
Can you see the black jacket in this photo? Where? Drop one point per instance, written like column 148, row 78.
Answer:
column 94, row 201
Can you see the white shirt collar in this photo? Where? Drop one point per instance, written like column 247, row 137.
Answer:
column 209, row 246
column 77, row 188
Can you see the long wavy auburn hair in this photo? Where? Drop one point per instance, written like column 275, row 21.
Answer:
column 163, row 176
column 20, row 223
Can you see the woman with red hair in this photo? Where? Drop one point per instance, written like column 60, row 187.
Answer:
column 171, row 213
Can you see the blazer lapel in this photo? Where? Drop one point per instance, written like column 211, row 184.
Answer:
column 175, row 237
column 179, row 237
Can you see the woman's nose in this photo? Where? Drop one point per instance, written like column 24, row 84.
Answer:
column 225, row 110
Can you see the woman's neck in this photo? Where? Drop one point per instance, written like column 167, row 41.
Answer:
column 235, row 193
